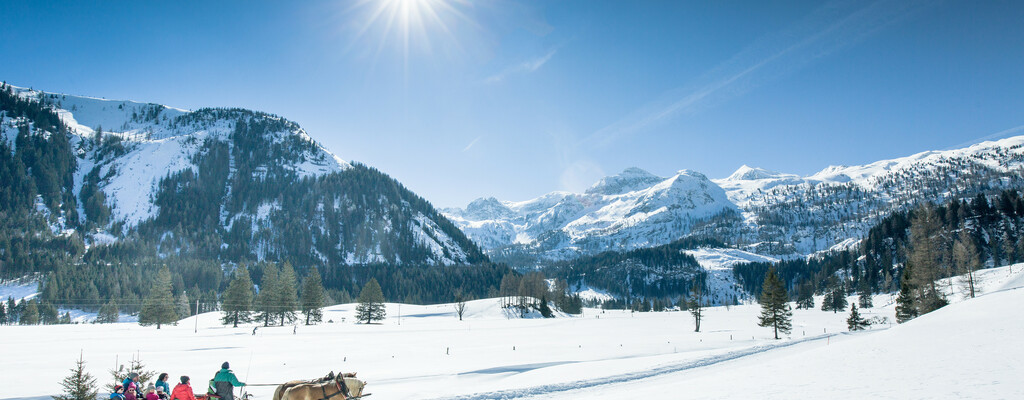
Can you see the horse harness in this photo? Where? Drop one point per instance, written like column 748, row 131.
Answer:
column 342, row 388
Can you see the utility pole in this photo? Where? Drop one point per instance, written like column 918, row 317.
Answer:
column 197, row 316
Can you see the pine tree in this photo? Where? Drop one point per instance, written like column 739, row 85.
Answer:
column 865, row 300
column 30, row 315
column 48, row 314
column 108, row 313
column 545, row 310
column 13, row 314
column 906, row 304
column 371, row 303
column 805, row 296
column 287, row 297
column 158, row 307
column 236, row 303
column 775, row 312
column 828, row 300
column 80, row 385
column 181, row 306
column 839, row 302
column 3, row 314
column 313, row 297
column 696, row 306
column 856, row 322
column 266, row 299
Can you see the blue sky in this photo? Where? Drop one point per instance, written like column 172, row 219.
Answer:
column 460, row 99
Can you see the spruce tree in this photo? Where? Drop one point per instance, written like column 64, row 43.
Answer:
column 775, row 312
column 805, row 296
column 30, row 315
column 236, row 303
column 287, row 297
column 545, row 310
column 371, row 303
column 906, row 304
column 856, row 322
column 3, row 314
column 839, row 302
column 12, row 311
column 79, row 385
column 158, row 307
column 181, row 306
column 108, row 313
column 266, row 299
column 313, row 297
column 828, row 300
column 864, row 300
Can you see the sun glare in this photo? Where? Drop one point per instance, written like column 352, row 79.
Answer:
column 409, row 26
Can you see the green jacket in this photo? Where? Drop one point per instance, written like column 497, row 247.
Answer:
column 225, row 375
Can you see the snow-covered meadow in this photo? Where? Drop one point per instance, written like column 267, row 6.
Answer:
column 971, row 349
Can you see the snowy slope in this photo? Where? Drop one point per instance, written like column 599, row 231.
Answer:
column 970, row 349
column 629, row 210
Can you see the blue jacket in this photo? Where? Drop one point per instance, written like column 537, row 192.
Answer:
column 163, row 384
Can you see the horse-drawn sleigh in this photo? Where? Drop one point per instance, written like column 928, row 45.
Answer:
column 331, row 387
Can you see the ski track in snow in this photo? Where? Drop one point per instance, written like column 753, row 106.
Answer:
column 543, row 390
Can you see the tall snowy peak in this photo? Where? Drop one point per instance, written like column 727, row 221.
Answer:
column 487, row 208
column 628, row 180
column 629, row 210
column 747, row 173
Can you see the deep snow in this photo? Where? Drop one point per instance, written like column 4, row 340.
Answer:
column 971, row 349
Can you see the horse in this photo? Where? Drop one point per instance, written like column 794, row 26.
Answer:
column 324, row 390
column 281, row 388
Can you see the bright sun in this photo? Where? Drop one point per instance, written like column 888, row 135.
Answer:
column 409, row 25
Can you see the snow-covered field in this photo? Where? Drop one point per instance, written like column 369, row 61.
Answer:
column 971, row 349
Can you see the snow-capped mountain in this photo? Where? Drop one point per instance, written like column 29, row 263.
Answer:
column 630, row 210
column 790, row 214
column 767, row 212
column 230, row 183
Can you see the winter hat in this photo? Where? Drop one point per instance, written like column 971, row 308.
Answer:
column 159, row 389
column 225, row 365
column 133, row 375
column 184, row 379
column 150, row 388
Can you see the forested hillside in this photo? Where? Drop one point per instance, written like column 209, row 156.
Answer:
column 926, row 243
column 95, row 212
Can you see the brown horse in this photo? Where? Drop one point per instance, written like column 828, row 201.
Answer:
column 281, row 388
column 329, row 390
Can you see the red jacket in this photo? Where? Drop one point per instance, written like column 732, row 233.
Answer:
column 183, row 391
